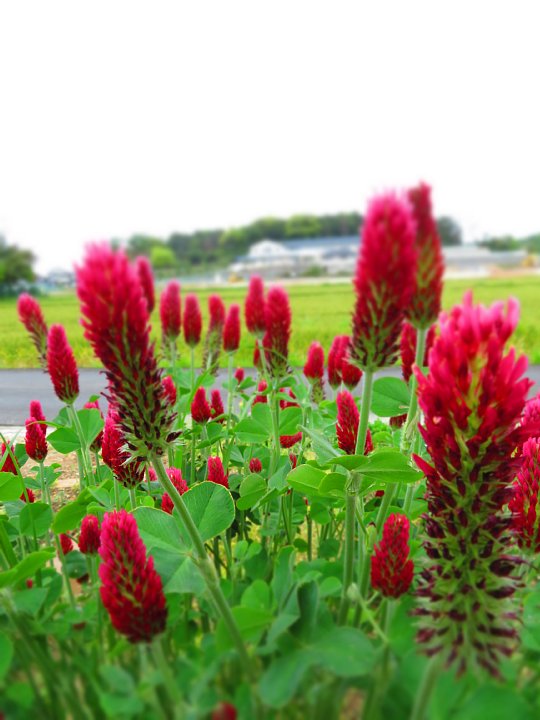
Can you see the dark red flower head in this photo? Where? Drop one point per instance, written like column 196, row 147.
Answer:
column 170, row 311
column 336, row 355
column 175, row 476
column 201, row 411
column 66, row 543
column 254, row 308
column 278, row 331
column 217, row 405
column 426, row 299
column 62, row 366
column 216, row 473
column 170, row 389
column 384, row 281
column 29, row 492
column 214, row 335
column 239, row 374
column 89, row 538
column 96, row 444
column 224, row 711
column 391, row 568
column 36, row 411
column 262, row 387
column 255, row 465
column 146, row 278
column 408, row 348
column 472, row 400
column 35, row 441
column 231, row 331
column 131, row 590
column 31, row 316
column 348, row 419
column 116, row 322
column 314, row 367
column 128, row 471
column 8, row 464
column 287, row 441
column 524, row 503
column 192, row 321
column 350, row 373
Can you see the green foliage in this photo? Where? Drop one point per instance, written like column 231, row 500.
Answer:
column 15, row 265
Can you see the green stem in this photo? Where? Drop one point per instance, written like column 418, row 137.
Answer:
column 205, row 565
column 367, row 393
column 132, row 498
column 427, row 685
column 192, row 362
column 167, row 677
column 117, row 501
column 85, row 461
column 274, row 411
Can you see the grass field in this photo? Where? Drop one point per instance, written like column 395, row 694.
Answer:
column 319, row 313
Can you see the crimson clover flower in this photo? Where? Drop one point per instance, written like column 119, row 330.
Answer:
column 524, row 503
column 391, row 568
column 231, row 329
column 348, row 420
column 314, row 371
column 146, row 278
column 31, row 316
column 214, row 334
column 201, row 411
column 217, row 405
column 278, row 331
column 175, row 476
column 192, row 321
column 90, row 535
column 216, row 472
column 127, row 471
column 62, row 366
column 170, row 311
column 254, row 307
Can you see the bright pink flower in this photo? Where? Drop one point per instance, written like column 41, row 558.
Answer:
column 127, row 470
column 314, row 371
column 257, row 361
column 8, row 465
column 278, row 331
column 214, row 334
column 35, row 442
column 29, row 492
column 426, row 299
column 287, row 441
column 391, row 568
column 175, row 476
column 348, row 419
column 192, row 321
column 66, row 543
column 170, row 389
column 254, row 308
column 217, row 405
column 524, row 503
column 261, row 388
column 146, row 278
column 231, row 330
column 472, row 401
column 336, row 355
column 89, row 538
column 201, row 411
column 170, row 311
column 62, row 366
column 350, row 374
column 224, row 711
column 116, row 322
column 31, row 316
column 96, row 444
column 255, row 465
column 216, row 473
column 239, row 375
column 131, row 590
column 384, row 281
column 408, row 348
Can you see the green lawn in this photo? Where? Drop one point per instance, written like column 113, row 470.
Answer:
column 319, row 313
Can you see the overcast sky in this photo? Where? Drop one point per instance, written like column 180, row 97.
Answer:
column 120, row 116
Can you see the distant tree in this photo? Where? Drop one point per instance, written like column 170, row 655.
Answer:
column 303, row 226
column 142, row 245
column 162, row 257
column 234, row 241
column 180, row 244
column 450, row 231
column 15, row 264
column 532, row 243
column 267, row 228
column 505, row 242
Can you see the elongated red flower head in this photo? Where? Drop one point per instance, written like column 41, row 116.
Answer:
column 146, row 278
column 336, row 354
column 348, row 419
column 36, row 411
column 175, row 476
column 262, row 387
column 254, row 308
column 31, row 316
column 8, row 464
column 287, row 441
column 278, row 331
column 408, row 348
column 239, row 375
column 472, row 401
column 170, row 389
column 35, row 442
column 426, row 299
column 96, row 444
column 90, row 536
column 201, row 411
column 216, row 473
column 231, row 331
column 391, row 568
column 314, row 367
column 192, row 321
column 217, row 405
column 170, row 311
column 224, row 711
column 524, row 503
column 62, row 366
column 350, row 374
column 116, row 323
column 66, row 543
column 255, row 465
column 128, row 472
column 131, row 590
column 29, row 492
column 214, row 335
column 384, row 281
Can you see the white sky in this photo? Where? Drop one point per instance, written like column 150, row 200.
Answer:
column 120, row 116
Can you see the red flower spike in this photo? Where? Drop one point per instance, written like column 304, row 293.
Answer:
column 96, row 445
column 116, row 322
column 287, row 441
column 257, row 362
column 62, row 366
column 66, row 543
column 239, row 375
column 89, row 538
column 278, row 331
column 391, row 568
column 336, row 355
column 524, row 503
column 35, row 442
column 472, row 400
column 348, row 419
column 36, row 412
column 408, row 348
column 201, row 411
column 175, row 476
column 287, row 403
column 131, row 590
column 216, row 473
column 255, row 465
column 192, row 321
column 127, row 470
column 231, row 330
column 170, row 311
column 384, row 281
column 146, row 278
column 8, row 465
column 213, row 339
column 217, row 406
column 30, row 493
column 426, row 299
column 350, row 374
column 254, row 308
column 224, row 711
column 31, row 316
column 170, row 389
column 314, row 371
column 261, row 388
column 293, row 460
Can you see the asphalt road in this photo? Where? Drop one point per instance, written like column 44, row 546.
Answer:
column 19, row 387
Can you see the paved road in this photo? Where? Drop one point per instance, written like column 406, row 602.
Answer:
column 19, row 387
